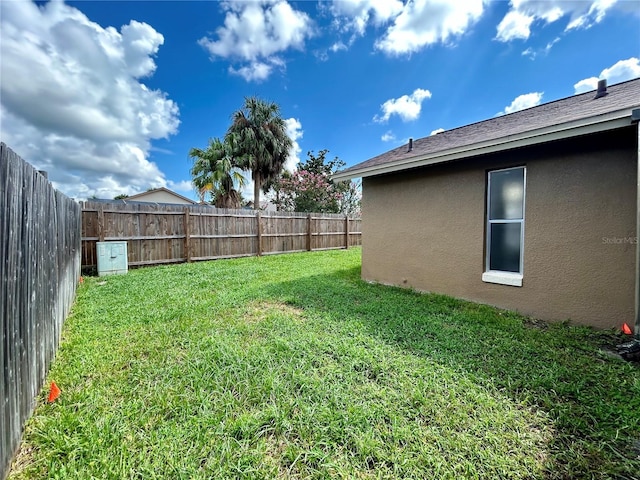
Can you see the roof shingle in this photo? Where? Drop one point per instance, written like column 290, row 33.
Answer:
column 620, row 96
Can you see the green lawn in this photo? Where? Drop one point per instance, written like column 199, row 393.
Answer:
column 291, row 367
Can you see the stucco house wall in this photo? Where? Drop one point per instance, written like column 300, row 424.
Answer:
column 425, row 228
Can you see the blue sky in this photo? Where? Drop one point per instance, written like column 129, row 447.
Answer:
column 109, row 97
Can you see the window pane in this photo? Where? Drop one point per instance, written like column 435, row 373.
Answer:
column 505, row 247
column 507, row 194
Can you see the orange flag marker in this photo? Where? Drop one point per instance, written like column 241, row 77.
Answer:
column 54, row 392
column 626, row 330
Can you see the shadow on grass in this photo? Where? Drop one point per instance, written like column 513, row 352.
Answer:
column 593, row 399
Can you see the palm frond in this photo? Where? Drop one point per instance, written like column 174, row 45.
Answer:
column 215, row 171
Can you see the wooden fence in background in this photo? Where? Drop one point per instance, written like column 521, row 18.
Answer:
column 39, row 271
column 163, row 233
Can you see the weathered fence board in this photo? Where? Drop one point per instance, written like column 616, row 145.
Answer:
column 39, row 270
column 163, row 233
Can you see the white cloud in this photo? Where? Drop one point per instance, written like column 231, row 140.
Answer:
column 336, row 47
column 425, row 22
column 185, row 186
column 71, row 101
column 410, row 25
column 407, row 107
column 619, row 72
column 355, row 15
column 141, row 39
column 517, row 23
column 388, row 136
column 436, row 131
column 295, row 132
column 521, row 102
column 255, row 71
column 529, row 52
column 595, row 13
column 586, row 85
column 622, row 70
column 514, row 25
column 323, row 54
column 532, row 54
column 255, row 33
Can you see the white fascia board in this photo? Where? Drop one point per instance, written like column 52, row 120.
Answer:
column 598, row 123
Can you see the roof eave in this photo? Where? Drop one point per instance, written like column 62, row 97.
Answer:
column 161, row 189
column 598, row 123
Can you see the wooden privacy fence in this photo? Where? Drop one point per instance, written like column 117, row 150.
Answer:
column 163, row 233
column 39, row 271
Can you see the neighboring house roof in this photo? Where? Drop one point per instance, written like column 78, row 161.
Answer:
column 568, row 117
column 163, row 194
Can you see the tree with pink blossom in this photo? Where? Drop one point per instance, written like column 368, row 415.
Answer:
column 311, row 189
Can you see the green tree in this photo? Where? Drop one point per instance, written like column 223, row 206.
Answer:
column 259, row 142
column 122, row 196
column 214, row 171
column 320, row 165
column 351, row 198
column 311, row 189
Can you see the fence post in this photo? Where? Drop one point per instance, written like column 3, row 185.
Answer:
column 187, row 235
column 259, row 230
column 346, row 232
column 101, row 223
column 309, row 233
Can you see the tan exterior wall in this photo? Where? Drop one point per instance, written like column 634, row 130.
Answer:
column 425, row 229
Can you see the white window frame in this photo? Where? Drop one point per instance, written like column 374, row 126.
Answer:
column 513, row 279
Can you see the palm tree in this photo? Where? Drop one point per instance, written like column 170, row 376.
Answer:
column 259, row 141
column 213, row 171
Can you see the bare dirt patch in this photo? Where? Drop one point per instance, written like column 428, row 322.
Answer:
column 261, row 311
column 24, row 458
